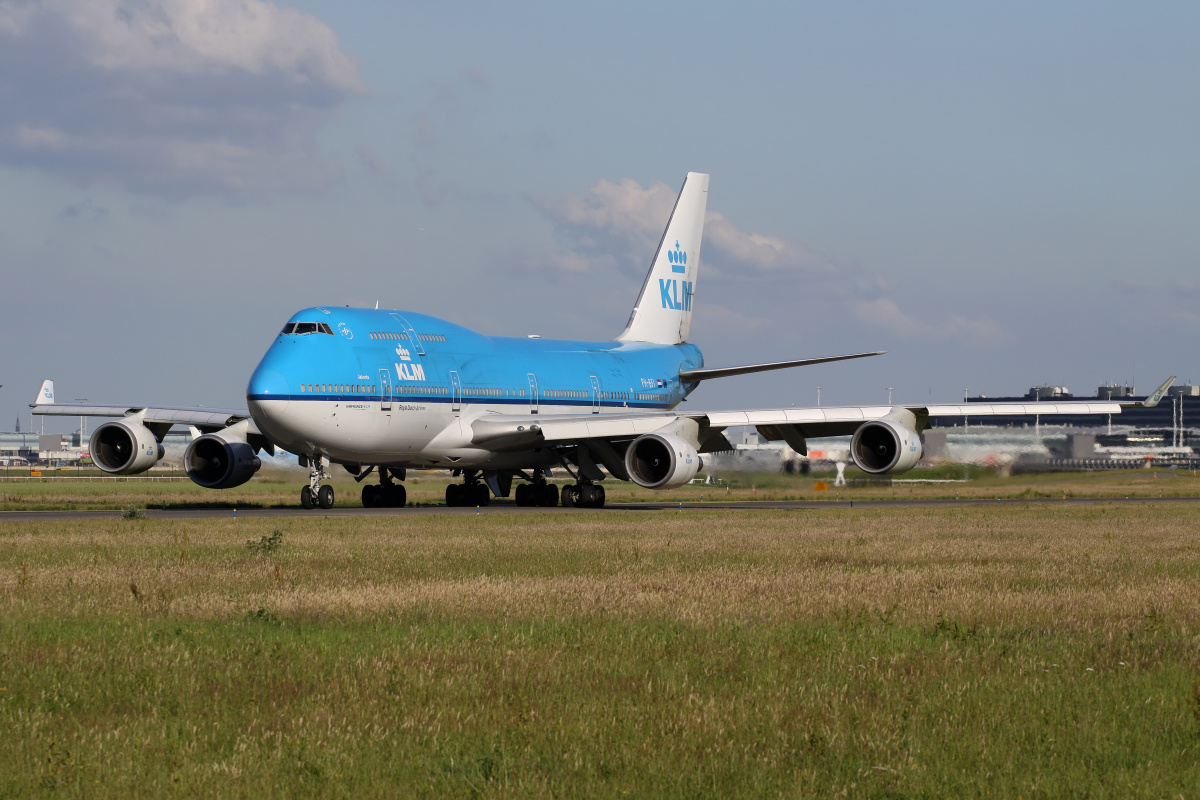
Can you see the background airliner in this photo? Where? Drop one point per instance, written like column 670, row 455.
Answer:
column 382, row 391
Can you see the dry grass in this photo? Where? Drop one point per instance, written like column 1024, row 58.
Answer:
column 282, row 488
column 1031, row 650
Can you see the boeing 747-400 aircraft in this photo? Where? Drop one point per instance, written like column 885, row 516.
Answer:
column 383, row 391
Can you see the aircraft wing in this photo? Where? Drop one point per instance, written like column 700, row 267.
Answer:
column 794, row 425
column 161, row 417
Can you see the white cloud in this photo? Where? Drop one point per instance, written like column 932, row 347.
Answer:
column 887, row 314
column 625, row 220
column 170, row 97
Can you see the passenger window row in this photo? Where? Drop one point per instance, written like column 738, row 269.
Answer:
column 338, row 388
column 469, row 391
column 438, row 390
column 403, row 336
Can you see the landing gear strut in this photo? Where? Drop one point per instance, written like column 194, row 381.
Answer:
column 386, row 494
column 472, row 492
column 315, row 494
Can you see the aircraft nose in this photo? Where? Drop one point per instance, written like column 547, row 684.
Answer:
column 268, row 384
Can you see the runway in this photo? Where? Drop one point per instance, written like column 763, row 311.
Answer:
column 619, row 508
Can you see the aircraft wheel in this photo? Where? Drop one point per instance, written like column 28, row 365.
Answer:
column 325, row 496
column 549, row 496
column 597, row 496
column 397, row 497
column 306, row 498
column 370, row 496
column 481, row 494
column 568, row 497
column 585, row 494
column 521, row 494
column 453, row 495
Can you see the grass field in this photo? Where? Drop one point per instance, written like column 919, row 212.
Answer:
column 1006, row 651
column 282, row 488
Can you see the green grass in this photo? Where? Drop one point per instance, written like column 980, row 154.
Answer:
column 994, row 651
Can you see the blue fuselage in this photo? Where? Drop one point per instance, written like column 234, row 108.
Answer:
column 385, row 387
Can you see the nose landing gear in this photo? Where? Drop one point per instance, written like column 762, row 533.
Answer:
column 315, row 494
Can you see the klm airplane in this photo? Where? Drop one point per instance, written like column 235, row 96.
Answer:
column 382, row 391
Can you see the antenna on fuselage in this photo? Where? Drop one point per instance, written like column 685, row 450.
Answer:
column 376, row 305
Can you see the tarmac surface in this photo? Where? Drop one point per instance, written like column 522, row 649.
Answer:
column 616, row 508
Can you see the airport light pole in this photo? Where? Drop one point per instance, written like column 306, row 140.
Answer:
column 890, row 394
column 81, row 423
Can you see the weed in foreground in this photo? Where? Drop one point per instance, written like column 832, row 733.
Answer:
column 266, row 544
column 133, row 512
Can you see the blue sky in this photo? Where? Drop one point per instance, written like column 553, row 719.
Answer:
column 997, row 196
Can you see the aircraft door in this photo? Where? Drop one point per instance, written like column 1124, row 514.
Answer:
column 533, row 393
column 595, row 395
column 414, row 341
column 385, row 389
column 455, row 392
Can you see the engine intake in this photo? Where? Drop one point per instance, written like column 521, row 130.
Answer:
column 883, row 447
column 661, row 461
column 216, row 462
column 124, row 448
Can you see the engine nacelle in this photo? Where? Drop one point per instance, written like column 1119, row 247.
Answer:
column 219, row 462
column 124, row 448
column 661, row 461
column 884, row 447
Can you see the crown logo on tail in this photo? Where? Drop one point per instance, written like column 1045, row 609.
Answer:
column 678, row 259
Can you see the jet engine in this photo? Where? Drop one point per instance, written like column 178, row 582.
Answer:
column 885, row 447
column 661, row 461
column 219, row 461
column 125, row 448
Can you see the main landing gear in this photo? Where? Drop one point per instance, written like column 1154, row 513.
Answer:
column 583, row 495
column 472, row 492
column 315, row 494
column 385, row 494
column 538, row 493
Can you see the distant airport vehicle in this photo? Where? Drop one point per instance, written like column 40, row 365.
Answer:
column 383, row 391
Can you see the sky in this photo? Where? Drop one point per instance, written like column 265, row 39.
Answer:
column 998, row 195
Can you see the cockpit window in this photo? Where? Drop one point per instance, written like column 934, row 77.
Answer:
column 307, row 327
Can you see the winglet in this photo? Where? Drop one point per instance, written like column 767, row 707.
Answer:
column 45, row 395
column 1152, row 400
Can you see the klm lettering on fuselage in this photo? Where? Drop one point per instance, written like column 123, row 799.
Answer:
column 669, row 288
column 405, row 369
column 410, row 372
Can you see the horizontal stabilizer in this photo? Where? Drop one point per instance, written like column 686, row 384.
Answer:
column 697, row 375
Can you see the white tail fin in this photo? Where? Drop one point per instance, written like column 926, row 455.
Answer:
column 45, row 395
column 663, row 312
